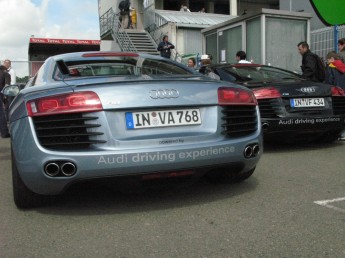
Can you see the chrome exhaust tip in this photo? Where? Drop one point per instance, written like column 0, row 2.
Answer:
column 52, row 169
column 265, row 126
column 256, row 149
column 68, row 169
column 248, row 152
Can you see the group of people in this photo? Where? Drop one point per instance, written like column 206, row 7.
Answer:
column 313, row 68
column 7, row 77
column 128, row 15
column 206, row 60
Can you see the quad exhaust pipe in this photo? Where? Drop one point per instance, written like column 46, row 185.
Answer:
column 60, row 168
column 265, row 126
column 68, row 169
column 251, row 151
column 52, row 169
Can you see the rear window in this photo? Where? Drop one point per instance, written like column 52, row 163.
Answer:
column 122, row 66
column 260, row 73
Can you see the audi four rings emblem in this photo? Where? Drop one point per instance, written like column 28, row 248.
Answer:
column 307, row 89
column 164, row 94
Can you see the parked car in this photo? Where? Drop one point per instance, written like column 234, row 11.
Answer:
column 93, row 115
column 292, row 109
column 7, row 100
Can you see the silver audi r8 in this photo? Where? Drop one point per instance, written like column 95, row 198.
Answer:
column 93, row 115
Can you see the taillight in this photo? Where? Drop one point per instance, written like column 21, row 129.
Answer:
column 337, row 91
column 267, row 93
column 235, row 96
column 85, row 101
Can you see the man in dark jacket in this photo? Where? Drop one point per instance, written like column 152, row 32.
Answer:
column 5, row 79
column 165, row 46
column 124, row 11
column 309, row 63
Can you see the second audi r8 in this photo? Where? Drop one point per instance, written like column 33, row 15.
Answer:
column 292, row 109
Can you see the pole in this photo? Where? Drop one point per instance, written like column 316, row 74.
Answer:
column 336, row 31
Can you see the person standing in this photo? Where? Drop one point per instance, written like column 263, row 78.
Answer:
column 191, row 62
column 241, row 57
column 124, row 11
column 165, row 47
column 335, row 75
column 206, row 61
column 184, row 8
column 133, row 18
column 4, row 80
column 10, row 70
column 310, row 64
column 335, row 70
column 341, row 48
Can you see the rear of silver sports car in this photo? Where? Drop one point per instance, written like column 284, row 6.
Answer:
column 147, row 129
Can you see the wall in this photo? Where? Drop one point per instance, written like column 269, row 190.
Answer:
column 269, row 37
column 298, row 6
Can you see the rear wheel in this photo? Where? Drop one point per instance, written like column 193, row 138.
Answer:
column 24, row 198
column 329, row 137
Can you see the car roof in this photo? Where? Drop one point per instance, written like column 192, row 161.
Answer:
column 103, row 54
column 238, row 65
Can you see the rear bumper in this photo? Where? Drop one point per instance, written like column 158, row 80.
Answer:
column 31, row 159
column 303, row 124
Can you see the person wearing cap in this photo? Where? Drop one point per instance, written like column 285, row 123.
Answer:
column 165, row 47
column 206, row 60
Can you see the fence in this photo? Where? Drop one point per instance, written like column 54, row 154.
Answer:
column 322, row 40
column 26, row 68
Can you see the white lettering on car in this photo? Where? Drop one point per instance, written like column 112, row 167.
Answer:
column 164, row 156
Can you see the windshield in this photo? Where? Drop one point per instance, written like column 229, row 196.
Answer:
column 122, row 66
column 259, row 73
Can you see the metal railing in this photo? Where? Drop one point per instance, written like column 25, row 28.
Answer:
column 110, row 23
column 154, row 29
column 322, row 40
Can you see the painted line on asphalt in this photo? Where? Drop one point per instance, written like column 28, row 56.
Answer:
column 326, row 203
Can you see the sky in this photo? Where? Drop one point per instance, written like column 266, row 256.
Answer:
column 65, row 19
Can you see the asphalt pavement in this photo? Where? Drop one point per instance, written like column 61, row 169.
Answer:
column 292, row 206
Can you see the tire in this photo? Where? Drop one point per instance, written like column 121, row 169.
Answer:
column 24, row 198
column 226, row 176
column 329, row 137
column 244, row 176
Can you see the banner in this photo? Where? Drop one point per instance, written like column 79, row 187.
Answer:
column 65, row 41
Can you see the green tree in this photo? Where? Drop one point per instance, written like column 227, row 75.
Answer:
column 22, row 79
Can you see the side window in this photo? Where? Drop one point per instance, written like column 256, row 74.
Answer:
column 38, row 79
column 158, row 67
column 31, row 82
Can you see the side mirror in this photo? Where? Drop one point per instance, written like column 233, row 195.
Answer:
column 11, row 90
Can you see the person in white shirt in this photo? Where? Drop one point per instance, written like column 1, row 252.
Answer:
column 184, row 8
column 241, row 57
column 10, row 70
